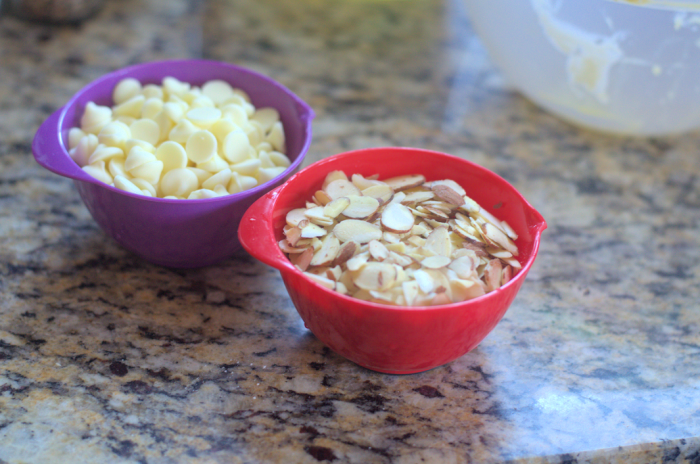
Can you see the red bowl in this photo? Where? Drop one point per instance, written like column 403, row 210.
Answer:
column 385, row 338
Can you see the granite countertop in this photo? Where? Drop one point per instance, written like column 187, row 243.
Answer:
column 105, row 358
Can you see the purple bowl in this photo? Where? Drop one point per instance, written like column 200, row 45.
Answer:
column 172, row 233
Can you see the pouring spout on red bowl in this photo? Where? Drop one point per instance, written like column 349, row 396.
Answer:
column 257, row 232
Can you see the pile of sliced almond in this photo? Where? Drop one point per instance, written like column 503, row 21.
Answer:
column 401, row 241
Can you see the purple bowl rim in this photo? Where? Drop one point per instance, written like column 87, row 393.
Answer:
column 125, row 71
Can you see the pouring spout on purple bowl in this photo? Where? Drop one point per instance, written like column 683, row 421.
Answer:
column 48, row 150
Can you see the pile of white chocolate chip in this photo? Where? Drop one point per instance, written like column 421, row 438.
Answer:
column 179, row 141
column 402, row 241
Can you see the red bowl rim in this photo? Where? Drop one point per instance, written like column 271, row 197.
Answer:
column 283, row 264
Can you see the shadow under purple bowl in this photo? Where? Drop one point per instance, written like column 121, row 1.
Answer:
column 172, row 233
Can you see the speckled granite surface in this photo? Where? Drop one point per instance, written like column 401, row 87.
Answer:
column 107, row 359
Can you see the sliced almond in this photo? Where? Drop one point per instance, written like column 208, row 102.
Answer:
column 509, row 230
column 341, row 188
column 397, row 218
column 423, row 229
column 317, row 216
column 433, row 223
column 333, row 175
column 448, row 194
column 328, row 252
column 424, row 281
column 439, row 242
column 399, row 247
column 302, row 260
column 506, row 275
column 390, row 237
column 417, row 213
column 470, row 206
column 295, row 215
column 410, row 291
column 398, row 197
column 376, row 276
column 449, row 183
column 440, row 281
column 286, row 247
column 378, row 251
column 381, row 192
column 461, row 219
column 492, row 275
column 399, row 259
column 360, row 207
column 463, row 266
column 463, row 289
column 464, row 234
column 382, row 297
column 513, row 262
column 312, row 230
column 434, row 213
column 498, row 252
column 416, row 241
column 328, row 283
column 440, row 299
column 362, row 182
column 490, row 218
column 334, row 273
column 322, row 197
column 347, row 251
column 405, row 182
column 441, row 205
column 293, row 235
column 436, row 262
column 335, row 207
column 499, row 238
column 418, row 197
column 356, row 262
column 341, row 288
column 357, row 231
column 346, row 280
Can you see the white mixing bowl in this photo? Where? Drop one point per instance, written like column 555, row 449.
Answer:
column 625, row 66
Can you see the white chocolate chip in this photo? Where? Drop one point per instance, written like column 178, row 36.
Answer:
column 95, row 117
column 147, row 130
column 179, row 182
column 172, row 154
column 217, row 90
column 204, row 117
column 125, row 89
column 236, row 146
column 201, row 146
column 243, row 147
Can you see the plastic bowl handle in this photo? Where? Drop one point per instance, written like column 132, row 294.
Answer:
column 49, row 151
column 257, row 235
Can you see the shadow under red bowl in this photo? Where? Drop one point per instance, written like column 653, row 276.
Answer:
column 385, row 338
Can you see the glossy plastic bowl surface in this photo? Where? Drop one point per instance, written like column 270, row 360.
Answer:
column 381, row 337
column 622, row 66
column 172, row 233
